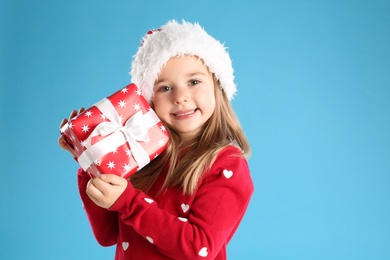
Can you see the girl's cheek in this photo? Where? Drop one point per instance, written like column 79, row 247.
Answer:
column 157, row 110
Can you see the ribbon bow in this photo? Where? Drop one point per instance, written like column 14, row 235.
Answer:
column 135, row 130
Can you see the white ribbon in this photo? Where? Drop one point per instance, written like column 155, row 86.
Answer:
column 135, row 130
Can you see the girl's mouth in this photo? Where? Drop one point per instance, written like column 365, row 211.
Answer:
column 186, row 113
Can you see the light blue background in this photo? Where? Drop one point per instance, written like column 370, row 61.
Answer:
column 314, row 100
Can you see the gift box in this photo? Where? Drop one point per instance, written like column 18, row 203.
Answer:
column 120, row 134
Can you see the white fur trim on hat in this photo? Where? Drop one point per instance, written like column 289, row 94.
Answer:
column 174, row 39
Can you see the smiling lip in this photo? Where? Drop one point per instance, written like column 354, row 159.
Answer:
column 184, row 113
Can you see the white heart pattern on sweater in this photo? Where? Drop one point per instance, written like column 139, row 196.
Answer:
column 150, row 239
column 227, row 173
column 148, row 200
column 125, row 245
column 183, row 219
column 185, row 207
column 203, row 252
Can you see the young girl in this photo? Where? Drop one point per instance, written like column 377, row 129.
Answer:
column 188, row 202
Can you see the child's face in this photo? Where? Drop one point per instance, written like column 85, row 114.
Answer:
column 184, row 95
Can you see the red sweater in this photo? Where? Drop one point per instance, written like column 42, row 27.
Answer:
column 171, row 225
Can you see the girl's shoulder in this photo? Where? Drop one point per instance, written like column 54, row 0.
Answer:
column 229, row 169
column 230, row 157
column 230, row 151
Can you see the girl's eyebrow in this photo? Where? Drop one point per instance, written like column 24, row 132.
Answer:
column 189, row 75
column 160, row 80
column 198, row 73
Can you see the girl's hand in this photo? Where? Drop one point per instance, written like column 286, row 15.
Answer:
column 61, row 140
column 106, row 189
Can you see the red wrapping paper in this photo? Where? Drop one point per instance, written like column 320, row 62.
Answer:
column 109, row 141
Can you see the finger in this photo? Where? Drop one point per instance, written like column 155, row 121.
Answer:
column 63, row 122
column 90, row 186
column 81, row 110
column 65, row 145
column 101, row 186
column 113, row 179
column 73, row 114
column 61, row 141
column 93, row 190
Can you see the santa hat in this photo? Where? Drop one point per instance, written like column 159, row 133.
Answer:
column 175, row 39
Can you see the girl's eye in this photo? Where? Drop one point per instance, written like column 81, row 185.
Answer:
column 194, row 82
column 164, row 88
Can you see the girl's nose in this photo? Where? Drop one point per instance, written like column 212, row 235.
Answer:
column 181, row 96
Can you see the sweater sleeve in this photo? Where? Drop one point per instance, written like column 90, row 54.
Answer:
column 214, row 214
column 104, row 223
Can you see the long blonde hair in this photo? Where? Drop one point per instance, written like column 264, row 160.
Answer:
column 187, row 161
